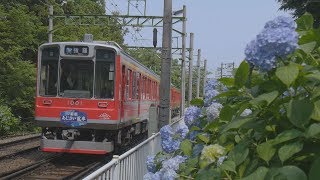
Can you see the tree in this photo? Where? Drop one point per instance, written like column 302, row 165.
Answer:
column 301, row 7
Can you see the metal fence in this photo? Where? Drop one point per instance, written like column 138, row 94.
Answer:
column 130, row 165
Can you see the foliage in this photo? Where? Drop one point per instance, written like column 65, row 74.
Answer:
column 268, row 125
column 301, row 7
column 197, row 102
column 8, row 123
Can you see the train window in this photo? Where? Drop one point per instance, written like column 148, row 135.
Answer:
column 128, row 89
column 76, row 78
column 134, row 82
column 138, row 85
column 104, row 75
column 49, row 71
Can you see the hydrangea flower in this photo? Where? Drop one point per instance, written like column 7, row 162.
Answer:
column 173, row 163
column 191, row 114
column 170, row 145
column 278, row 39
column 151, row 165
column 193, row 135
column 221, row 160
column 208, row 97
column 166, row 132
column 182, row 130
column 169, row 174
column 213, row 111
column 152, row 176
column 211, row 153
column 246, row 112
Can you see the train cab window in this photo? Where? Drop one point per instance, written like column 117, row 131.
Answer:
column 76, row 78
column 104, row 76
column 49, row 71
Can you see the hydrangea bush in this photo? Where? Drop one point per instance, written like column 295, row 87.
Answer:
column 266, row 124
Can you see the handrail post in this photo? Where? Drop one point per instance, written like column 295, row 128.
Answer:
column 116, row 170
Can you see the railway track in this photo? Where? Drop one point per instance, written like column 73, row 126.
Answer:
column 59, row 166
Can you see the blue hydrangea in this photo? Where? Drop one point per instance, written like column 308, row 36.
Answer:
column 170, row 145
column 151, row 165
column 246, row 112
column 221, row 160
column 152, row 176
column 191, row 114
column 193, row 135
column 208, row 97
column 173, row 163
column 213, row 111
column 182, row 130
column 166, row 132
column 211, row 84
column 169, row 174
column 277, row 40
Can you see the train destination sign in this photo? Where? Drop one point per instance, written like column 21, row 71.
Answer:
column 76, row 50
column 73, row 118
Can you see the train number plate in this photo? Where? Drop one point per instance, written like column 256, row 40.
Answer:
column 73, row 118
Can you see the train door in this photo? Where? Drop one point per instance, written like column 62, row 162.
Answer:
column 123, row 87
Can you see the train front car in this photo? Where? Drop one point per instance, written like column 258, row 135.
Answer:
column 77, row 101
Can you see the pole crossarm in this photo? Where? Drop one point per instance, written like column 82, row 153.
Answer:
column 123, row 20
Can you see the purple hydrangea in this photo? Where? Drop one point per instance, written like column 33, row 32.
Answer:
column 182, row 130
column 166, row 132
column 213, row 111
column 170, row 145
column 173, row 163
column 151, row 165
column 278, row 39
column 191, row 114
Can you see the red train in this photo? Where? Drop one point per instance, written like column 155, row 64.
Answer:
column 93, row 97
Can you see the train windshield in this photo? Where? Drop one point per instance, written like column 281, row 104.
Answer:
column 76, row 78
column 49, row 71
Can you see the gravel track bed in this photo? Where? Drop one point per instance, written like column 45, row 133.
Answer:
column 7, row 150
column 27, row 159
column 16, row 138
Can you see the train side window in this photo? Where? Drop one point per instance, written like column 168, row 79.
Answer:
column 134, row 85
column 49, row 71
column 138, row 86
column 128, row 84
column 105, row 72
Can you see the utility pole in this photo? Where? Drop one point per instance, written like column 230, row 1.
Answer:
column 183, row 63
column 190, row 68
column 165, row 81
column 50, row 28
column 205, row 76
column 198, row 72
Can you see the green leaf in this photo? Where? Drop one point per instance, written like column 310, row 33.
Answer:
column 286, row 136
column 226, row 113
column 204, row 174
column 238, row 154
column 288, row 74
column 305, row 22
column 313, row 131
column 299, row 112
column 236, row 124
column 242, row 74
column 288, row 150
column 267, row 97
column 266, row 151
column 293, row 173
column 259, row 174
column 203, row 138
column 308, row 47
column 314, row 172
column 229, row 166
column 186, row 147
column 316, row 111
column 227, row 81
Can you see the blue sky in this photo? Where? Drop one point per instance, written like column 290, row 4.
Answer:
column 222, row 28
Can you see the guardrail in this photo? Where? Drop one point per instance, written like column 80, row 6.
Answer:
column 130, row 165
